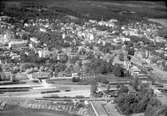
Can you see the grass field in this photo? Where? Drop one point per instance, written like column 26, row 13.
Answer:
column 14, row 110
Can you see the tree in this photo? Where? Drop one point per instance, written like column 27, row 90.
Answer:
column 64, row 59
column 93, row 87
column 121, row 57
column 142, row 104
column 135, row 84
column 73, row 60
column 25, row 37
column 162, row 111
column 123, row 89
column 26, row 66
column 142, row 101
column 152, row 107
column 1, row 68
column 59, row 67
column 102, row 79
column 118, row 71
column 75, row 79
column 99, row 66
column 2, row 76
column 162, row 32
column 76, row 68
column 127, row 103
column 128, row 44
column 131, row 51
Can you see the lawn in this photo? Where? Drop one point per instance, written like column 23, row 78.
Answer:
column 14, row 110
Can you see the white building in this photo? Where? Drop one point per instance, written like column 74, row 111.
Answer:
column 34, row 40
column 42, row 53
column 17, row 43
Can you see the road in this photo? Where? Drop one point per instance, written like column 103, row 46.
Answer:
column 111, row 110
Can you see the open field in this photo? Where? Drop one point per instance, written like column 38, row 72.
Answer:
column 112, row 9
column 106, row 9
column 160, row 21
column 38, row 90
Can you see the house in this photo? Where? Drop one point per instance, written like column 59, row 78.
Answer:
column 21, row 76
column 64, row 75
column 134, row 70
column 160, row 95
column 40, row 75
column 3, row 18
column 112, row 88
column 92, row 21
column 17, row 43
column 144, row 79
column 101, row 87
column 162, row 98
column 137, row 61
column 131, row 89
column 5, row 76
column 124, row 39
column 3, row 39
column 42, row 53
column 113, row 21
column 75, row 75
column 62, row 56
column 8, row 75
column 2, row 106
column 34, row 40
column 43, row 30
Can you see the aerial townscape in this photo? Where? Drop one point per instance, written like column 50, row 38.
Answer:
column 55, row 61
